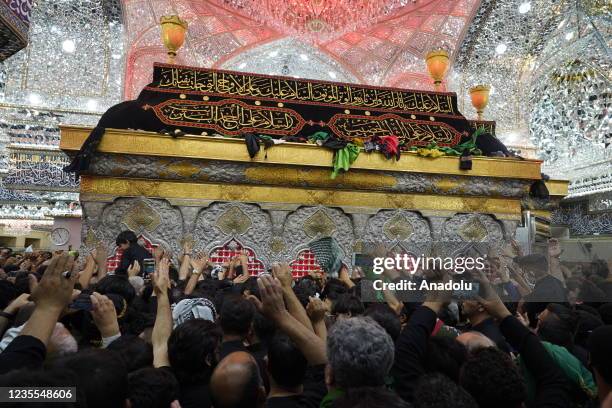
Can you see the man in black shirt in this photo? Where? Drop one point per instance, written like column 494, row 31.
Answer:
column 547, row 289
column 482, row 322
column 132, row 251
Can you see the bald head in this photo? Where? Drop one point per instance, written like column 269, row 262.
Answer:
column 474, row 340
column 236, row 382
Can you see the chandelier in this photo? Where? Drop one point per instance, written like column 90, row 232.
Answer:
column 317, row 20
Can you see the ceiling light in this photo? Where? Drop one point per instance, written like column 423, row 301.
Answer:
column 116, row 56
column 273, row 53
column 304, row 57
column 332, row 74
column 525, row 7
column 569, row 35
column 34, row 98
column 242, row 65
column 68, row 46
column 501, row 48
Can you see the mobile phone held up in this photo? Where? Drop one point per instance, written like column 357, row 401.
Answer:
column 81, row 302
column 148, row 266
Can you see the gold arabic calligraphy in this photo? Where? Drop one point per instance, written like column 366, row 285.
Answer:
column 237, row 84
column 229, row 116
column 413, row 132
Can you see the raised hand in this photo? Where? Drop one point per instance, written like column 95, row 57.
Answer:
column 161, row 278
column 54, row 291
column 272, row 304
column 158, row 253
column 490, row 299
column 104, row 315
column 282, row 272
column 199, row 262
column 100, row 254
column 17, row 303
column 315, row 309
column 134, row 269
column 187, row 247
column 241, row 278
column 32, row 282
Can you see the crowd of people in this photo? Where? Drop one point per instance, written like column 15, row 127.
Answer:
column 195, row 334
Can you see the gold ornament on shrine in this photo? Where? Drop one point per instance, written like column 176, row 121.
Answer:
column 173, row 31
column 480, row 98
column 437, row 64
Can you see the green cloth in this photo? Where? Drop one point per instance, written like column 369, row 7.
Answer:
column 330, row 397
column 344, row 158
column 328, row 254
column 577, row 374
column 318, row 136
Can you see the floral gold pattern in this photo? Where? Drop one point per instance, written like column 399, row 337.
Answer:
column 234, row 221
column 398, row 227
column 319, row 224
column 473, row 231
column 141, row 217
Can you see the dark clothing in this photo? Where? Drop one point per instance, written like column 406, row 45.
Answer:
column 134, row 253
column 546, row 290
column 228, row 347
column 551, row 385
column 490, row 329
column 23, row 352
column 410, row 351
column 193, row 395
column 285, row 402
column 314, row 391
column 606, row 287
column 258, row 350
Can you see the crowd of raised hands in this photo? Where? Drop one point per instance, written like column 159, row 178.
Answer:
column 196, row 334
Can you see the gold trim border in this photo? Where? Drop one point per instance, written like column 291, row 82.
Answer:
column 557, row 188
column 289, row 154
column 508, row 208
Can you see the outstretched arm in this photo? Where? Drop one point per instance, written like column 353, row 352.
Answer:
column 87, row 273
column 550, row 381
column 51, row 296
column 185, row 261
column 273, row 307
column 316, row 311
column 282, row 272
column 163, row 320
column 105, row 318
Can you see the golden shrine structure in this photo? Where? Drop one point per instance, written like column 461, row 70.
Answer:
column 209, row 189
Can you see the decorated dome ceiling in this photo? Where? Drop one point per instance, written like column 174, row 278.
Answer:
column 548, row 61
column 374, row 42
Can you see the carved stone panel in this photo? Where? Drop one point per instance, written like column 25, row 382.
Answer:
column 157, row 220
column 246, row 223
column 472, row 228
column 397, row 225
column 309, row 223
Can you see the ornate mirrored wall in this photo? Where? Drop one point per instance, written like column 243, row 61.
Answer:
column 71, row 72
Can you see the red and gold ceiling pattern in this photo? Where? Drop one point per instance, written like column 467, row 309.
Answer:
column 384, row 46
